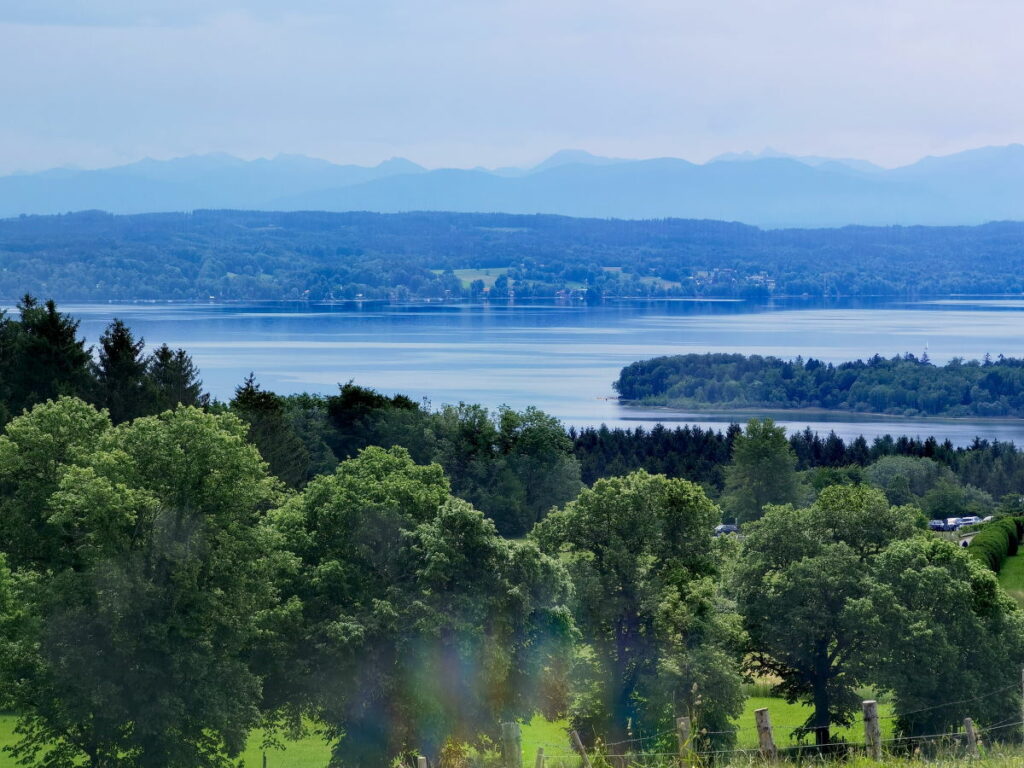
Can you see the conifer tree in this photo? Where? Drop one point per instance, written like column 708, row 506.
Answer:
column 47, row 359
column 121, row 374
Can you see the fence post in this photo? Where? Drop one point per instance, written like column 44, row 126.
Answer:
column 578, row 743
column 972, row 738
column 683, row 736
column 264, row 758
column 421, row 762
column 511, row 746
column 764, row 734
column 872, row 730
column 539, row 762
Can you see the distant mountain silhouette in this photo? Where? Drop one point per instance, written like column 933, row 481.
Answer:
column 186, row 183
column 766, row 189
column 816, row 161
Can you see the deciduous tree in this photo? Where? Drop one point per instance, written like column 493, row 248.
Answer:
column 658, row 636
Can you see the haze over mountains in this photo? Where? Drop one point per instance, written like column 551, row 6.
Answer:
column 768, row 189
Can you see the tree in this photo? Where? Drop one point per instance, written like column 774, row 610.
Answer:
column 137, row 653
column 47, row 357
column 420, row 627
column 271, row 433
column 174, row 380
column 800, row 575
column 918, row 474
column 945, row 632
column 762, row 471
column 34, row 451
column 121, row 374
column 658, row 637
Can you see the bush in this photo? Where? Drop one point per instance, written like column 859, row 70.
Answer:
column 995, row 542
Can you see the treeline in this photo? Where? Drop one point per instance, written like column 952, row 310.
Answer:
column 175, row 580
column 903, row 385
column 247, row 255
column 994, row 468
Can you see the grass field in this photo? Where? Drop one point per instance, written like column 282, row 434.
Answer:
column 1011, row 577
column 467, row 276
column 312, row 752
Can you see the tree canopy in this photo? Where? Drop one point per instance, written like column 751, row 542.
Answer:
column 638, row 549
column 418, row 626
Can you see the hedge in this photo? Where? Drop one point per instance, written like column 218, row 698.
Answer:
column 997, row 541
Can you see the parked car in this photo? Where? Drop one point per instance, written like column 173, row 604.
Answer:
column 936, row 525
column 953, row 523
column 726, row 528
column 969, row 520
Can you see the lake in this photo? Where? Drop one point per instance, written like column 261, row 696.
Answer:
column 563, row 358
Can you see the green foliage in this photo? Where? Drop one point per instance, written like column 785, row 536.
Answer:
column 762, row 471
column 943, row 633
column 995, row 542
column 801, row 572
column 415, row 624
column 174, row 380
column 271, row 432
column 919, row 475
column 148, row 580
column 903, row 385
column 659, row 639
column 254, row 255
column 43, row 359
column 42, row 356
column 121, row 374
column 513, row 465
column 34, row 451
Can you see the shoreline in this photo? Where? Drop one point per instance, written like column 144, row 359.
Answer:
column 825, row 413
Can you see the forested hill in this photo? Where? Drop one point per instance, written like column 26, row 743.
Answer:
column 903, row 385
column 236, row 255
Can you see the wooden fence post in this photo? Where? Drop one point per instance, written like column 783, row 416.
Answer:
column 539, row 762
column 972, row 738
column 511, row 745
column 578, row 743
column 765, row 737
column 683, row 736
column 872, row 730
column 264, row 758
column 421, row 762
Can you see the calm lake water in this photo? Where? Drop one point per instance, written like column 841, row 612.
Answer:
column 563, row 358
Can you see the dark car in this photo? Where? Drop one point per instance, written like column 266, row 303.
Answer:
column 936, row 525
column 723, row 529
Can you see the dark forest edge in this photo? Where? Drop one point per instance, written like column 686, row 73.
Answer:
column 904, row 385
column 252, row 255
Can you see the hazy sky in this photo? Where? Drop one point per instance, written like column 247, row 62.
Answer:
column 495, row 82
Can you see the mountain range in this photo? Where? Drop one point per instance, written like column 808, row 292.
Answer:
column 768, row 189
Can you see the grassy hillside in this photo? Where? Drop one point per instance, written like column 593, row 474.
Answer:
column 1011, row 577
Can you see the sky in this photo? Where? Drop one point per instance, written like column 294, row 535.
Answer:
column 459, row 83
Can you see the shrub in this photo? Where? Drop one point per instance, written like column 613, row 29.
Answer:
column 995, row 542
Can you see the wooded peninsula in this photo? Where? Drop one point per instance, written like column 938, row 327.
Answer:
column 904, row 385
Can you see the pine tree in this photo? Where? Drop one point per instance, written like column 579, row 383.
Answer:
column 271, row 433
column 174, row 380
column 47, row 359
column 121, row 374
